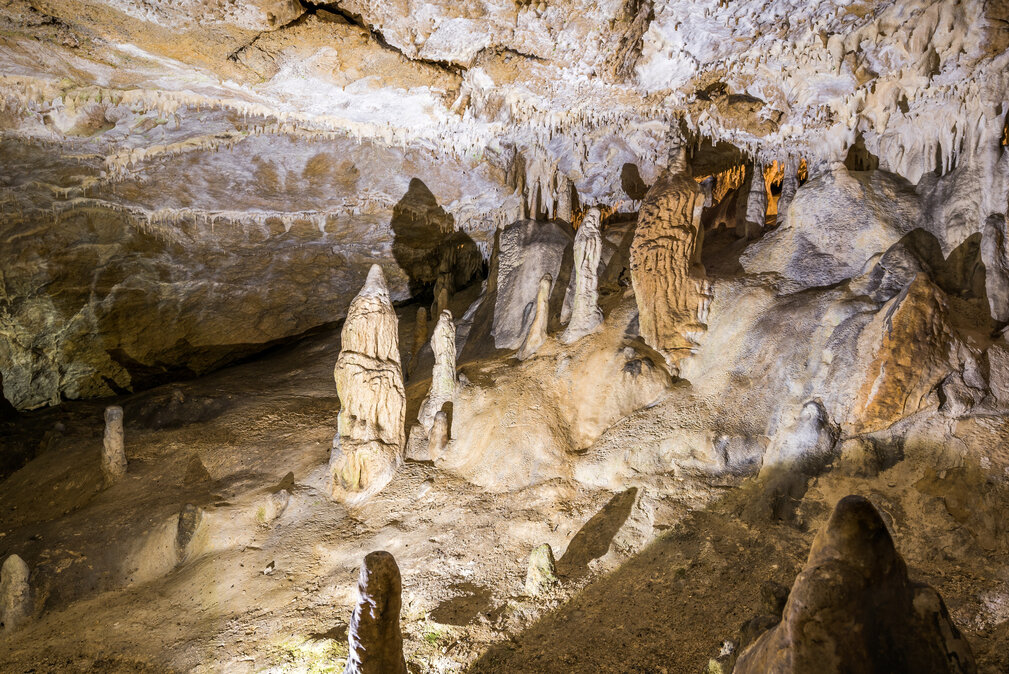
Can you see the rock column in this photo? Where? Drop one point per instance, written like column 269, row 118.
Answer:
column 376, row 642
column 114, row 449
column 537, row 334
column 368, row 448
column 15, row 594
column 585, row 314
column 789, row 185
column 756, row 204
column 443, row 378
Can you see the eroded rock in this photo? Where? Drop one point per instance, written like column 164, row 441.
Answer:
column 443, row 377
column 15, row 594
column 542, row 572
column 586, row 317
column 368, row 447
column 854, row 609
column 666, row 272
column 376, row 642
column 439, row 436
column 541, row 318
column 113, row 446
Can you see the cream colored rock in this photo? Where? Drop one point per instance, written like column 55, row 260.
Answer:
column 113, row 446
column 443, row 376
column 439, row 436
column 541, row 575
column 541, row 318
column 666, row 272
column 789, row 186
column 756, row 203
column 368, row 447
column 586, row 317
column 15, row 594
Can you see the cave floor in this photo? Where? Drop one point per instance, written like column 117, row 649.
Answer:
column 653, row 580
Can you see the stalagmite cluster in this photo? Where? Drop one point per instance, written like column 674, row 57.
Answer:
column 669, row 281
column 368, row 446
column 376, row 642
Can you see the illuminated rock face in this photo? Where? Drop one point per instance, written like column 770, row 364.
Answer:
column 443, row 377
column 541, row 319
column 113, row 447
column 585, row 315
column 368, row 447
column 15, row 594
column 668, row 279
column 376, row 642
column 853, row 609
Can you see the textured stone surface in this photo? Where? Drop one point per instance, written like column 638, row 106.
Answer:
column 15, row 594
column 368, row 447
column 376, row 643
column 585, row 317
column 113, row 446
column 541, row 575
column 853, row 609
column 443, row 377
column 537, row 333
column 668, row 278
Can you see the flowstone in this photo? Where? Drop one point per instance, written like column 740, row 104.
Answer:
column 376, row 642
column 368, row 448
column 666, row 272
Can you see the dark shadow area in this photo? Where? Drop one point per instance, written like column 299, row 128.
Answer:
column 631, row 182
column 593, row 539
column 462, row 610
column 961, row 274
column 859, row 158
column 427, row 246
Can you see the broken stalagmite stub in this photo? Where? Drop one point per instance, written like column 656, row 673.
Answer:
column 376, row 642
column 113, row 447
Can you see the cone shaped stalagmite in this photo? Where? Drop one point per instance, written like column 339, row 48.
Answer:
column 853, row 609
column 541, row 318
column 369, row 381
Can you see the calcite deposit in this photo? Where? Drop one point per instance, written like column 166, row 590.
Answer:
column 624, row 301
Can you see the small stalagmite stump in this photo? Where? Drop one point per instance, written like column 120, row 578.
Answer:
column 443, row 378
column 542, row 572
column 537, row 334
column 376, row 642
column 15, row 594
column 439, row 436
column 114, row 448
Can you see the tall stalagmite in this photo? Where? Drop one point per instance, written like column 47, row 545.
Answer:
column 368, row 447
column 541, row 318
column 756, row 203
column 789, row 185
column 376, row 641
column 443, row 379
column 586, row 316
column 666, row 272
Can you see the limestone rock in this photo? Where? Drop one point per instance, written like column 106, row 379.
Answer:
column 541, row 317
column 666, row 271
column 113, row 448
column 756, row 203
column 527, row 250
column 439, row 436
column 853, row 609
column 15, row 594
column 376, row 642
column 806, row 444
column 368, row 447
column 443, row 376
column 586, row 317
column 542, row 572
column 789, row 186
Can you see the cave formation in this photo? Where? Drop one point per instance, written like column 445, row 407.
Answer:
column 504, row 336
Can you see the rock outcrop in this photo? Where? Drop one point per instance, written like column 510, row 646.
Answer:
column 15, row 594
column 586, row 317
column 853, row 609
column 443, row 377
column 113, row 446
column 368, row 447
column 666, row 272
column 541, row 575
column 376, row 642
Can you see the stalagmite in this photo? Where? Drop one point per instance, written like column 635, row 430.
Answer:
column 789, row 185
column 854, row 609
column 541, row 317
column 756, row 204
column 15, row 594
column 542, row 572
column 114, row 450
column 443, row 377
column 586, row 316
column 376, row 642
column 439, row 436
column 666, row 272
column 419, row 339
column 368, row 447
